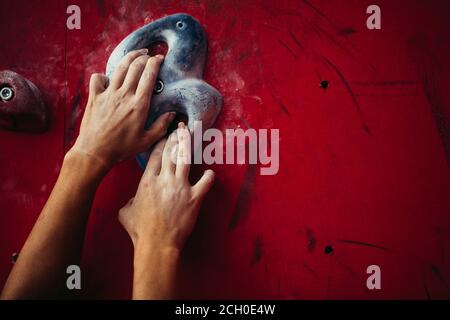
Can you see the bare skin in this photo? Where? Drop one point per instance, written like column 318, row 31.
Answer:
column 162, row 215
column 108, row 135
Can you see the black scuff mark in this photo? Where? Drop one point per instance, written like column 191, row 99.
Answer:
column 317, row 74
column 335, row 42
column 101, row 8
column 330, row 272
column 348, row 269
column 296, row 40
column 284, row 45
column 73, row 115
column 366, row 244
column 327, row 19
column 311, row 270
column 350, row 92
column 437, row 272
column 280, row 103
column 425, row 287
column 311, row 240
column 242, row 206
column 258, row 251
column 428, row 65
column 321, row 14
column 347, row 31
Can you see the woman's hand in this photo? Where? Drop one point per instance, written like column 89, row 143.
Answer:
column 164, row 210
column 112, row 128
column 162, row 215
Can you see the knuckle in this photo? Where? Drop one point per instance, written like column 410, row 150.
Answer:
column 137, row 64
column 162, row 125
column 123, row 65
column 129, row 56
column 139, row 100
column 121, row 94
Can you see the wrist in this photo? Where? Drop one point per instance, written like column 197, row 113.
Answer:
column 85, row 165
column 154, row 274
column 144, row 252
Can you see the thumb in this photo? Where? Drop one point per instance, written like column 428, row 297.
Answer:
column 203, row 185
column 97, row 83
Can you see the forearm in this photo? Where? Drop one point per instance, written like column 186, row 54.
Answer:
column 56, row 240
column 155, row 272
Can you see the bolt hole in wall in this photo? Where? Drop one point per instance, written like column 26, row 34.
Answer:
column 324, row 84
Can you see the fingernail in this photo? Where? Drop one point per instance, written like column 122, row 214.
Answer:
column 211, row 174
column 143, row 51
column 159, row 57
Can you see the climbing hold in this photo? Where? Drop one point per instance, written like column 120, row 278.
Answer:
column 180, row 87
column 21, row 104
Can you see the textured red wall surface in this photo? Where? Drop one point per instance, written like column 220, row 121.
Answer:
column 364, row 165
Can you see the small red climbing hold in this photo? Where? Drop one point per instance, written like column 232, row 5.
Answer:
column 21, row 104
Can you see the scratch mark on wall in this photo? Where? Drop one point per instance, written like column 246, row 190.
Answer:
column 296, row 40
column 257, row 251
column 311, row 270
column 311, row 240
column 287, row 48
column 360, row 243
column 350, row 92
column 243, row 201
column 428, row 66
column 437, row 272
column 280, row 104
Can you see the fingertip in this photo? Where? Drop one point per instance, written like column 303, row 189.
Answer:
column 160, row 145
column 170, row 116
column 210, row 174
column 159, row 57
column 142, row 51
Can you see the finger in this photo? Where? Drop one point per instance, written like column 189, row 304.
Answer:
column 184, row 152
column 129, row 203
column 201, row 188
column 148, row 78
column 169, row 157
column 158, row 129
column 123, row 211
column 154, row 162
column 122, row 68
column 134, row 73
column 97, row 83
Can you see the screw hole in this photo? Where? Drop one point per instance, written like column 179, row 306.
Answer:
column 324, row 84
column 6, row 93
column 328, row 250
column 159, row 86
column 180, row 25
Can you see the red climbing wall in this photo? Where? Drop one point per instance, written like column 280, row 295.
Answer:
column 364, row 165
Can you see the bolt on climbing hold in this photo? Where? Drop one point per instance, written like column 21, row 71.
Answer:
column 159, row 86
column 6, row 93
